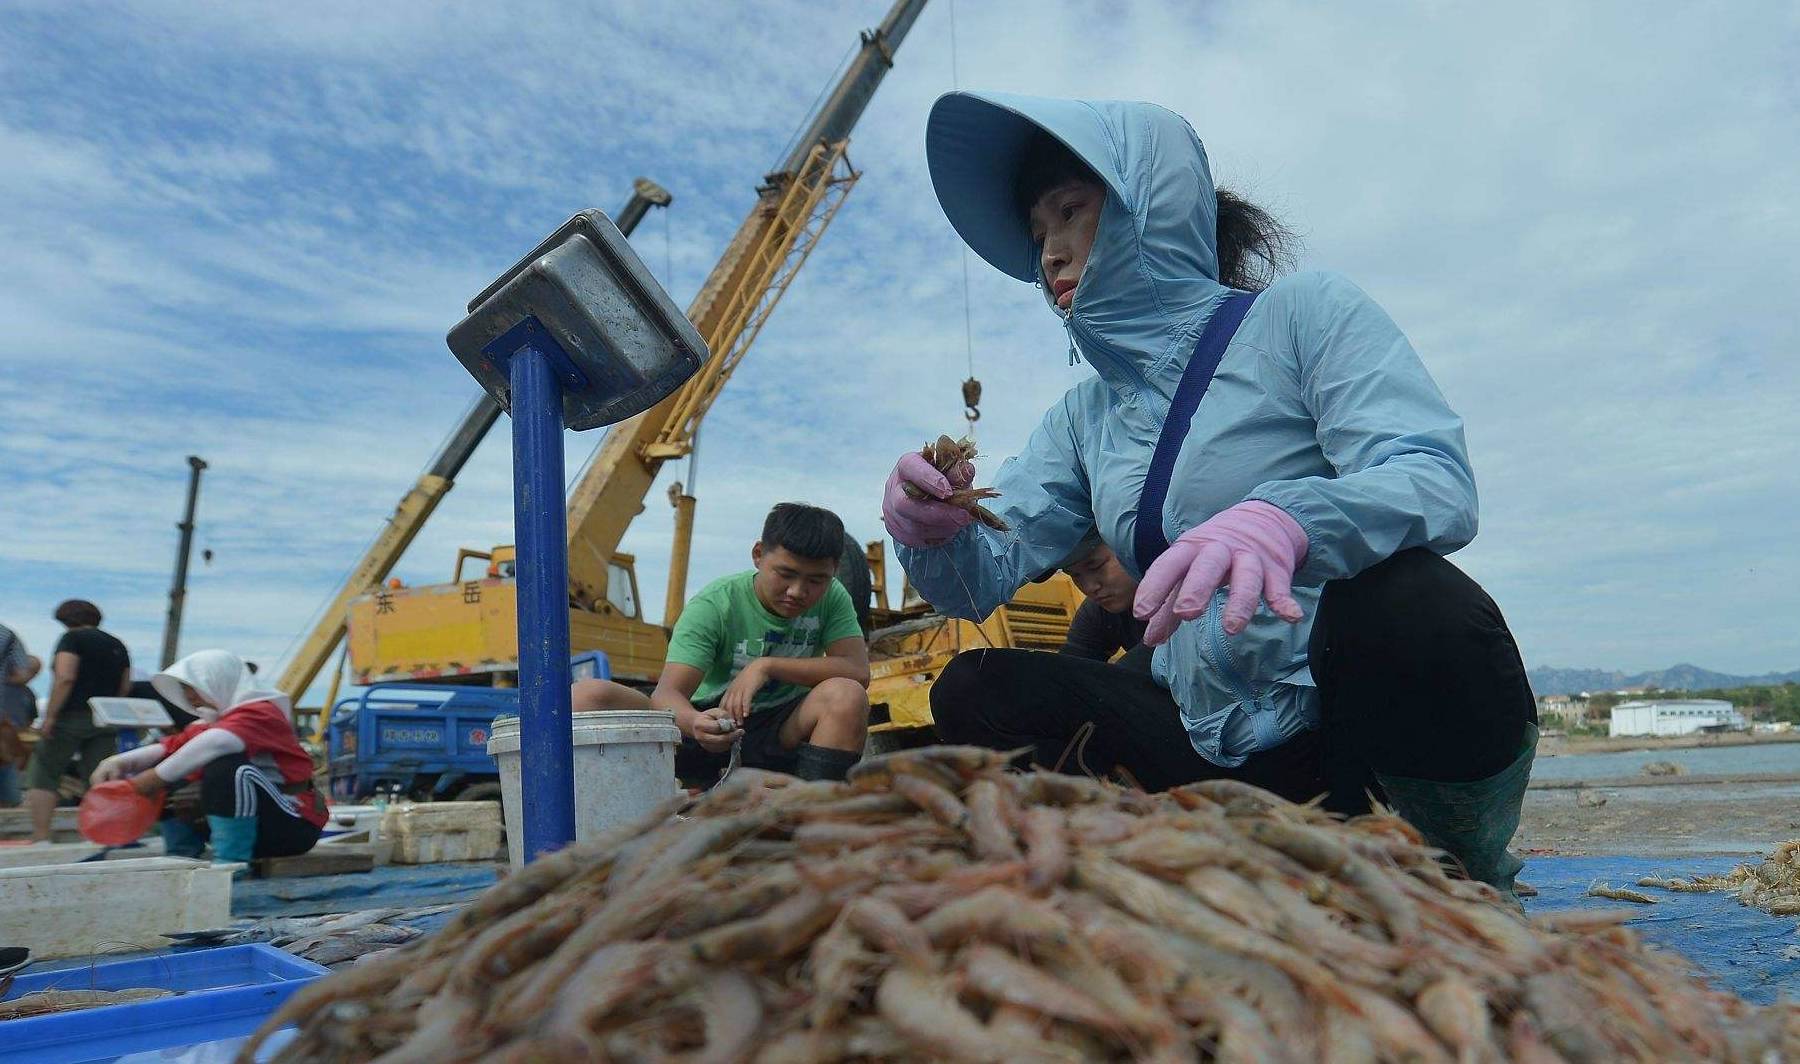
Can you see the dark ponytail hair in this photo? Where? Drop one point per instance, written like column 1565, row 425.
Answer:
column 1254, row 248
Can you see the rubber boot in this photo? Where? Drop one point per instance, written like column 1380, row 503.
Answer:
column 1473, row 821
column 823, row 763
column 181, row 839
column 233, row 839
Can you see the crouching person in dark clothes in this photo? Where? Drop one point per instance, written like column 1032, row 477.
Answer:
column 1103, row 625
column 1061, row 709
column 1008, row 699
column 255, row 780
column 772, row 658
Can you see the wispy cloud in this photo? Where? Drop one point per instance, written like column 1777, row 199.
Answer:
column 241, row 230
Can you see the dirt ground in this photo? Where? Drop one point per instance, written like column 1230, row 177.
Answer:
column 1688, row 817
column 1697, row 814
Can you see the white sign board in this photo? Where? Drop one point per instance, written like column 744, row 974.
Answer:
column 130, row 713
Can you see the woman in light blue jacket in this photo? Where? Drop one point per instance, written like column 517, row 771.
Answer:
column 1284, row 447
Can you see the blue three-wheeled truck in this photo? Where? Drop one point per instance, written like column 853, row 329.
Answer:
column 425, row 742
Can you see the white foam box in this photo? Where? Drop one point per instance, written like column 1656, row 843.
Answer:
column 73, row 910
column 431, row 832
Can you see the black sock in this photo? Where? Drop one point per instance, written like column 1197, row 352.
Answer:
column 823, row 763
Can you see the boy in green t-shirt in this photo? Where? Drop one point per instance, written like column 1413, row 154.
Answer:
column 772, row 658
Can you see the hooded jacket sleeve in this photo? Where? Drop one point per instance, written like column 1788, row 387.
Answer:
column 1404, row 478
column 1044, row 500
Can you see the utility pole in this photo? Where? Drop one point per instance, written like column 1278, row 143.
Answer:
column 178, row 592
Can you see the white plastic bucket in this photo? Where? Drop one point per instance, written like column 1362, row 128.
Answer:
column 624, row 767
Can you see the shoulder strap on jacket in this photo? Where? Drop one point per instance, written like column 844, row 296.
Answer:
column 1148, row 541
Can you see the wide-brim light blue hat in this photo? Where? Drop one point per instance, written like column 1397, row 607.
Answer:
column 973, row 145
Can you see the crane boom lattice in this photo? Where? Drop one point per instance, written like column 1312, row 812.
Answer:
column 793, row 210
column 796, row 222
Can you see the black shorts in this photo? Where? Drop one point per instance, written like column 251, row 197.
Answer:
column 695, row 766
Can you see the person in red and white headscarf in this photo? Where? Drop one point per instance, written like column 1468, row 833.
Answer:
column 255, row 779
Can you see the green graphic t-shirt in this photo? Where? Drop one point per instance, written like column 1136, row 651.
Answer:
column 726, row 625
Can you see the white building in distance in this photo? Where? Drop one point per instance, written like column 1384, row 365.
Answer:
column 1682, row 717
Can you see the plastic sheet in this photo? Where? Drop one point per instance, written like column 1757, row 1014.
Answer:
column 1742, row 949
column 1745, row 950
column 223, row 1051
column 386, row 886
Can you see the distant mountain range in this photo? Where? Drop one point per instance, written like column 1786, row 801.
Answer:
column 1552, row 681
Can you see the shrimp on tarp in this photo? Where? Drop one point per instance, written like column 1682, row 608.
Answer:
column 924, row 1008
column 1047, row 858
column 1606, row 890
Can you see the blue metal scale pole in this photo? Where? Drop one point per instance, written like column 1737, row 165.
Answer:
column 540, row 525
column 576, row 333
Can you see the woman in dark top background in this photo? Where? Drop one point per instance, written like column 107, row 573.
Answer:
column 88, row 663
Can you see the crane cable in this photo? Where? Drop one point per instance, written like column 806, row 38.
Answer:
column 971, row 388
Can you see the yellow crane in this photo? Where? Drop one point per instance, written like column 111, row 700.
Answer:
column 464, row 631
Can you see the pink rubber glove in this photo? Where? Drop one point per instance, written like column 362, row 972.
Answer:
column 922, row 523
column 1254, row 547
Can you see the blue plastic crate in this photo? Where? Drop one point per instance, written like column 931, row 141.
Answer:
column 220, row 993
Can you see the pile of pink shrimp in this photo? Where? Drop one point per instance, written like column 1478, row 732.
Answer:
column 939, row 907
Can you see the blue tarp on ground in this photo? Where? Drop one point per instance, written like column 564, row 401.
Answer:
column 1744, row 950
column 386, row 887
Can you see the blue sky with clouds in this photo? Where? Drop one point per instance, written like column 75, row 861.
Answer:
column 241, row 230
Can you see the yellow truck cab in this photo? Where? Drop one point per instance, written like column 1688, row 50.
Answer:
column 466, row 631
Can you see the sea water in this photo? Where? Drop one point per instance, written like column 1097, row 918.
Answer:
column 1760, row 758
